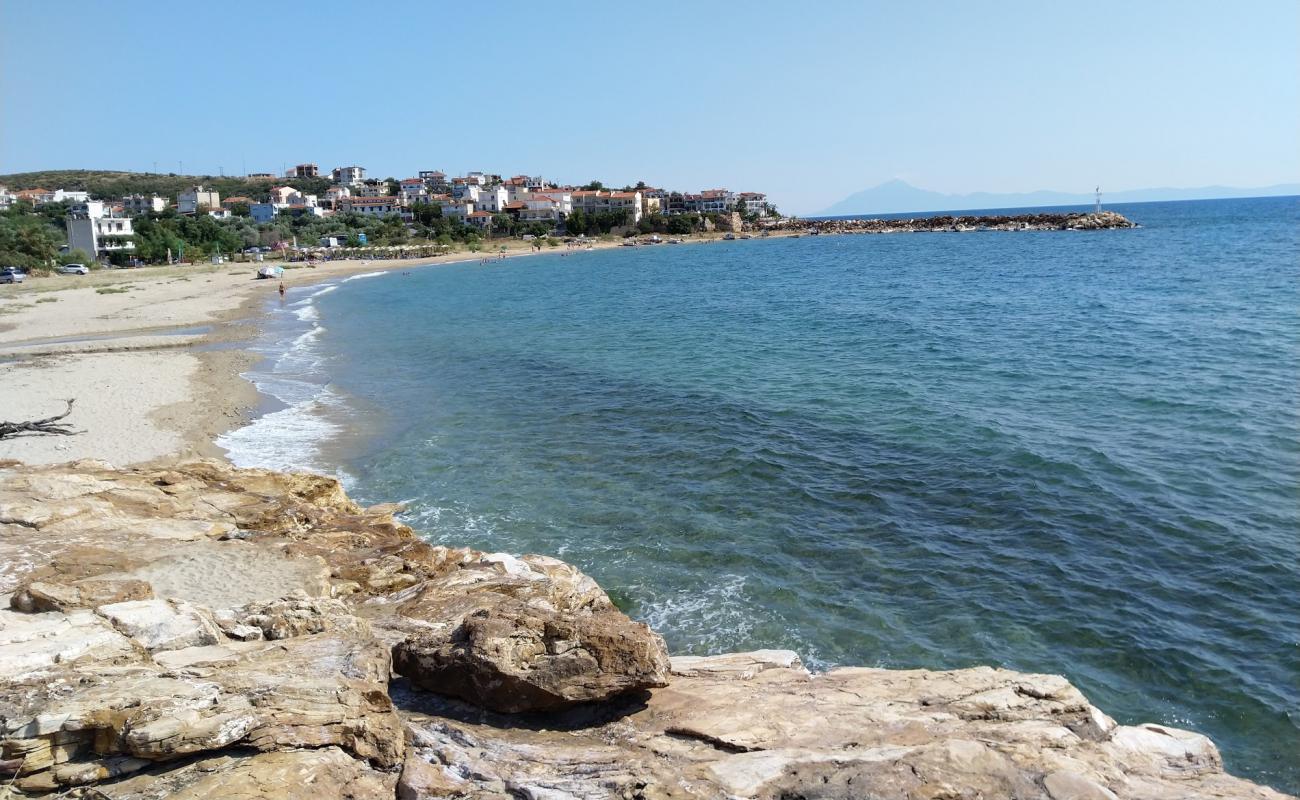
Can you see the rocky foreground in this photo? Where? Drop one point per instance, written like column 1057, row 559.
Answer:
column 201, row 631
column 1053, row 221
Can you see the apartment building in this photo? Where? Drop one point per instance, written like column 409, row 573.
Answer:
column 95, row 229
column 189, row 202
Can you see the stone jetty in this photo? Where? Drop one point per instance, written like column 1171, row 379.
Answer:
column 1072, row 221
column 199, row 631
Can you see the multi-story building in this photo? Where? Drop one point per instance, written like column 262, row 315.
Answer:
column 303, row 171
column 285, row 199
column 6, row 197
column 454, row 209
column 36, row 197
column 653, row 201
column 371, row 206
column 480, row 219
column 94, row 229
column 752, row 203
column 287, row 195
column 198, row 197
column 412, row 191
column 491, row 199
column 334, row 195
column 435, row 181
column 348, row 176
column 135, row 204
column 593, row 202
column 716, row 201
column 265, row 212
column 371, row 188
column 538, row 207
column 39, row 197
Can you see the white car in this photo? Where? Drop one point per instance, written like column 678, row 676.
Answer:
column 74, row 269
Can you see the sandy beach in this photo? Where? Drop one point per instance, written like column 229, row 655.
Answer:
column 151, row 356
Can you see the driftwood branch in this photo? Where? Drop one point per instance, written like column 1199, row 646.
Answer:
column 48, row 425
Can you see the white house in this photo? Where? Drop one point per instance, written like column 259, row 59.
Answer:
column 549, row 208
column 480, row 219
column 134, row 204
column 371, row 206
column 348, row 176
column 189, row 202
column 716, row 201
column 457, row 209
column 6, row 199
column 752, row 203
column 594, row 202
column 333, row 195
column 491, row 199
column 371, row 189
column 412, row 191
column 91, row 228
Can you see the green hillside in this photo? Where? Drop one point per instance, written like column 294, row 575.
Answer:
column 108, row 185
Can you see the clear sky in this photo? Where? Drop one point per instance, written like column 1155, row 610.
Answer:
column 807, row 101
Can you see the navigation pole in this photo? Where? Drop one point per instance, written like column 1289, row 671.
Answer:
column 1097, row 210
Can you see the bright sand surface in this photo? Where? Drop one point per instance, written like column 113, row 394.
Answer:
column 128, row 346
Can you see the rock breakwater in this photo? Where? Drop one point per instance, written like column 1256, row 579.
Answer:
column 198, row 630
column 1072, row 221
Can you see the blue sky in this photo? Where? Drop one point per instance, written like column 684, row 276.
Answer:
column 807, row 101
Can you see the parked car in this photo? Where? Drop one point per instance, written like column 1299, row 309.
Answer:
column 11, row 275
column 74, row 269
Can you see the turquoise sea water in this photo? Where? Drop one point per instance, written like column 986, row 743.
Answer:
column 1075, row 453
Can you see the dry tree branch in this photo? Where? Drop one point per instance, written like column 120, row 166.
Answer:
column 49, row 425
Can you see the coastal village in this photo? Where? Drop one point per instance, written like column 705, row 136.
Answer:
column 477, row 205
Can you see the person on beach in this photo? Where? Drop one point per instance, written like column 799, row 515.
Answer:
column 282, row 288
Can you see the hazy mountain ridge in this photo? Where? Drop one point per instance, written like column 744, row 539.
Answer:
column 897, row 196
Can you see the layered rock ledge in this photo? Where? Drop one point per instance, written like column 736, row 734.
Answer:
column 198, row 630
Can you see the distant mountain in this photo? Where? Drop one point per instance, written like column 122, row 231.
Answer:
column 897, row 197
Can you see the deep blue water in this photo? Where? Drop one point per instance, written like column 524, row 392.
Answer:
column 1061, row 452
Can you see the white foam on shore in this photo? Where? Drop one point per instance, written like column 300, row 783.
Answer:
column 291, row 438
column 713, row 619
column 363, row 275
column 284, row 440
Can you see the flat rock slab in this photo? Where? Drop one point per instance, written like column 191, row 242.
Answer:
column 229, row 574
column 162, row 624
column 315, row 774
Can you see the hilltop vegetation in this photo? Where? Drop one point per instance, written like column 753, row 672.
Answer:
column 108, row 185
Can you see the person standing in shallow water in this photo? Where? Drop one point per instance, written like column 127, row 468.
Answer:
column 282, row 288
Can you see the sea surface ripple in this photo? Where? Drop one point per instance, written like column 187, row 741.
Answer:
column 1075, row 453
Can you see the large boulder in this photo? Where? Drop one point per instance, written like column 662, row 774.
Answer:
column 515, row 658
